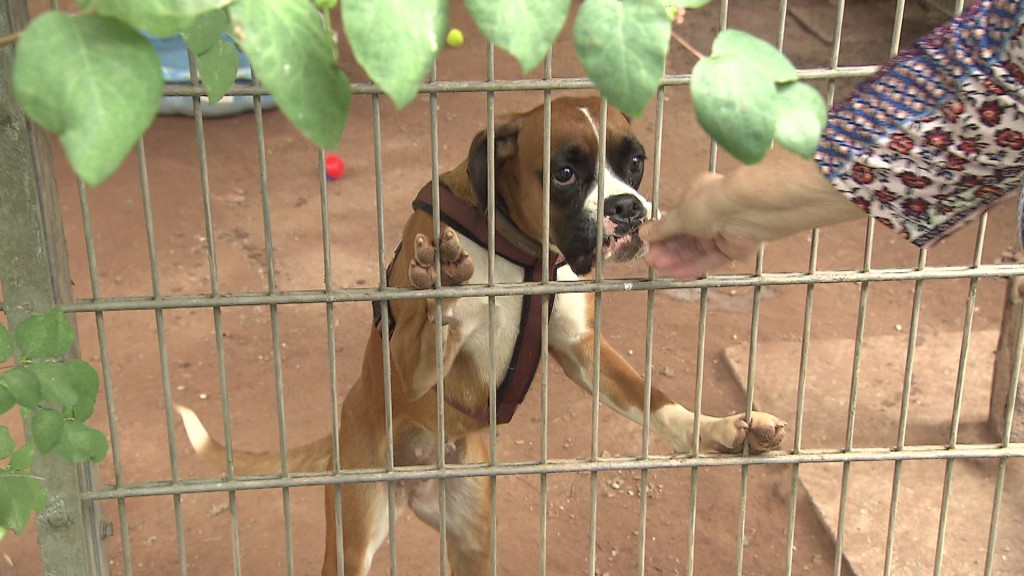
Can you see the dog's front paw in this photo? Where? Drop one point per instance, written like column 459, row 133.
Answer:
column 456, row 264
column 764, row 432
column 456, row 268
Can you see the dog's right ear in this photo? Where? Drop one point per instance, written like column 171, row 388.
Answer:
column 506, row 145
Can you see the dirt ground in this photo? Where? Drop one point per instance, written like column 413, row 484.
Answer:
column 142, row 372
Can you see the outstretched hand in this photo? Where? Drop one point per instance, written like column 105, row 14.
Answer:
column 684, row 256
column 687, row 242
column 720, row 218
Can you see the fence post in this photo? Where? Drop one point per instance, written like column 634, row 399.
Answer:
column 1005, row 351
column 35, row 277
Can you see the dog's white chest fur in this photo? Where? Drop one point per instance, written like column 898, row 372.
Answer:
column 567, row 320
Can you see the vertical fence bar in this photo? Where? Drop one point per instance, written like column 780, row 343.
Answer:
column 958, row 395
column 698, row 399
column 645, row 439
column 108, row 386
column 993, row 528
column 218, row 322
column 35, row 276
column 385, row 309
column 544, row 318
column 908, row 375
column 161, row 337
column 275, row 331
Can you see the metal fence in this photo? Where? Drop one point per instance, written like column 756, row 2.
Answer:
column 190, row 328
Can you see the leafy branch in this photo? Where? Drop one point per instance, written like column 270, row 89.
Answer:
column 56, row 398
column 94, row 80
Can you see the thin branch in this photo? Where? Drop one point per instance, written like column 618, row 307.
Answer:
column 682, row 42
column 5, row 40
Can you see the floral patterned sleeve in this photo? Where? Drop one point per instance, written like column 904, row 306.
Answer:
column 937, row 135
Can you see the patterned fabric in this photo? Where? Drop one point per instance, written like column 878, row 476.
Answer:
column 937, row 135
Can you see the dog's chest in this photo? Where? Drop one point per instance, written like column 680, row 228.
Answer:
column 474, row 315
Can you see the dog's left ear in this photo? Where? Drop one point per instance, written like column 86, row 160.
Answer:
column 506, row 145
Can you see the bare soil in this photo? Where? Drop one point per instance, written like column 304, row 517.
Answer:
column 143, row 371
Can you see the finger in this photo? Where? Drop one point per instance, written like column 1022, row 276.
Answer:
column 658, row 230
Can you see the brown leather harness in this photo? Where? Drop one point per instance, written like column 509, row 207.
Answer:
column 513, row 245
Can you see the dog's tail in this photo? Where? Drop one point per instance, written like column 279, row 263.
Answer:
column 312, row 457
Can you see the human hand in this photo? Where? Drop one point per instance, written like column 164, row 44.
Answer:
column 688, row 241
column 684, row 256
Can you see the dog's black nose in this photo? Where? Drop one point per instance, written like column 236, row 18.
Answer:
column 624, row 209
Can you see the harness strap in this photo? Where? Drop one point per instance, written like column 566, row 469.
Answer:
column 513, row 245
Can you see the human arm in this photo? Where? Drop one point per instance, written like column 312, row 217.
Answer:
column 726, row 217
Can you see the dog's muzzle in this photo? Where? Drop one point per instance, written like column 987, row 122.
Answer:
column 623, row 215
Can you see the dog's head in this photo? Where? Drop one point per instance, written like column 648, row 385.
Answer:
column 576, row 216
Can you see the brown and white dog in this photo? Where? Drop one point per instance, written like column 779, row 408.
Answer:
column 575, row 218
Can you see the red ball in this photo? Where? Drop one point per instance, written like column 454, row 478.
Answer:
column 334, row 166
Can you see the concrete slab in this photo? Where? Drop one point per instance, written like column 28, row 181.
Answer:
column 877, row 410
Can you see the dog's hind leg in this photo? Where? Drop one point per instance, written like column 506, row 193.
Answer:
column 364, row 522
column 467, row 505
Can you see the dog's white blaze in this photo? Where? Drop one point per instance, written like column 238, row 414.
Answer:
column 613, row 185
column 593, row 124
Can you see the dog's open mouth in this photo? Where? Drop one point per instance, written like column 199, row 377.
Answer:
column 622, row 241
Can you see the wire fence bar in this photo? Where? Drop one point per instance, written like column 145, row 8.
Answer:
column 389, row 419
column 555, row 466
column 161, row 334
column 108, row 388
column 545, row 326
column 218, row 321
column 958, row 395
column 908, row 372
column 526, row 85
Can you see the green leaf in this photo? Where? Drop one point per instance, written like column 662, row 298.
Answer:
column 396, row 41
column 121, row 8
column 755, row 53
column 690, row 3
column 23, row 384
column 48, row 335
column 6, row 344
column 86, row 382
column 22, row 458
column 81, row 443
column 802, row 117
column 206, row 31
column 622, row 46
column 160, row 26
column 6, row 443
column 293, row 55
column 47, row 429
column 537, row 24
column 7, row 400
column 92, row 80
column 57, row 385
column 20, row 494
column 218, row 67
column 735, row 105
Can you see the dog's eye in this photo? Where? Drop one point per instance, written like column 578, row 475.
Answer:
column 564, row 176
column 636, row 164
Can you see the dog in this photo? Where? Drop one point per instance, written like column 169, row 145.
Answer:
column 574, row 224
